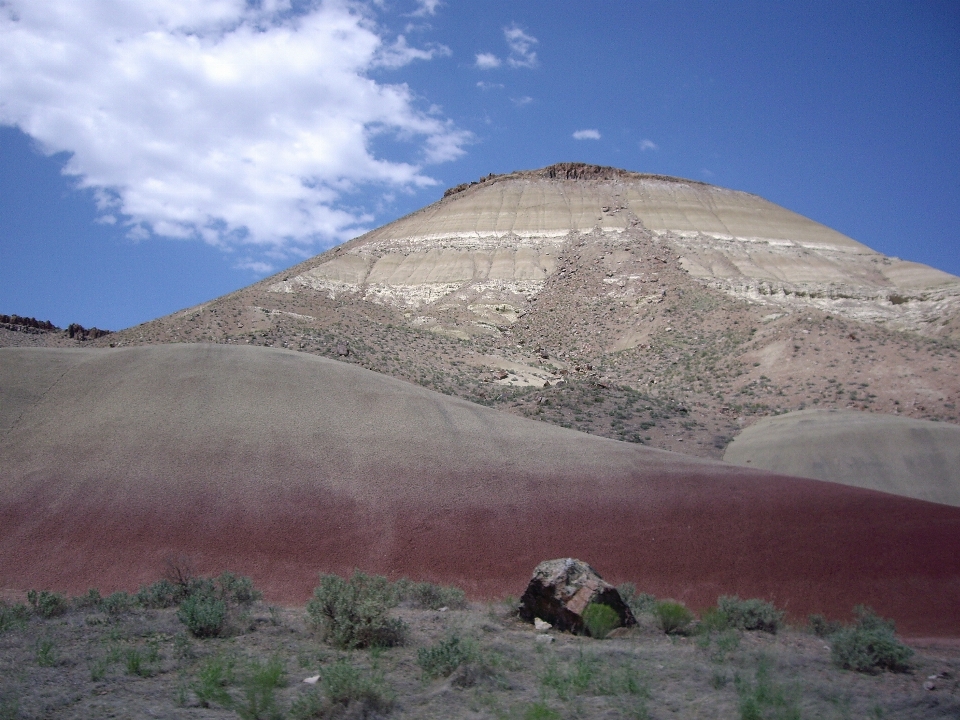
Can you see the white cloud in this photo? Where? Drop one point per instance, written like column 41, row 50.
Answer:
column 521, row 101
column 487, row 61
column 521, row 47
column 399, row 53
column 484, row 85
column 586, row 135
column 427, row 7
column 648, row 145
column 217, row 120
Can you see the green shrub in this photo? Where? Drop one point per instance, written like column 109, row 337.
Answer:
column 588, row 675
column 90, row 601
column 764, row 698
column 237, row 589
column 47, row 604
column 430, row 596
column 821, row 627
column 13, row 616
column 754, row 614
column 353, row 613
column 869, row 646
column 541, row 711
column 308, row 706
column 161, row 594
column 259, row 701
column 46, row 652
column 639, row 603
column 213, row 678
column 137, row 663
column 204, row 615
column 674, row 618
column 345, row 685
column 117, row 603
column 442, row 659
column 600, row 620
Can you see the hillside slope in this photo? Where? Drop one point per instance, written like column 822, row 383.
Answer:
column 279, row 465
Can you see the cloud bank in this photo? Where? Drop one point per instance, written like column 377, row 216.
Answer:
column 243, row 125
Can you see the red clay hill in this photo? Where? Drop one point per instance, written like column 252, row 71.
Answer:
column 280, row 465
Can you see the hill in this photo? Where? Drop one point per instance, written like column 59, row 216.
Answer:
column 650, row 309
column 278, row 465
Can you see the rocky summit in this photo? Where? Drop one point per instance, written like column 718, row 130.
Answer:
column 640, row 307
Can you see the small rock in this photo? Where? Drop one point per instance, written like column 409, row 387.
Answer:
column 541, row 625
column 343, row 350
column 313, row 680
column 929, row 685
column 545, row 639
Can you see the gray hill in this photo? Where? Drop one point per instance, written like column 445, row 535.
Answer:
column 914, row 458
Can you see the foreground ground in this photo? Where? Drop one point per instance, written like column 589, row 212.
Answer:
column 144, row 664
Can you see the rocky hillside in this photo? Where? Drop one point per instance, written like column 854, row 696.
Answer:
column 645, row 308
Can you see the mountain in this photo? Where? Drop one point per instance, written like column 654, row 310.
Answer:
column 280, row 465
column 639, row 307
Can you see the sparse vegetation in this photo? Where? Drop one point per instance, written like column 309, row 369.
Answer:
column 471, row 662
column 442, row 658
column 47, row 604
column 869, row 645
column 753, row 614
column 203, row 614
column 674, row 618
column 353, row 613
column 600, row 620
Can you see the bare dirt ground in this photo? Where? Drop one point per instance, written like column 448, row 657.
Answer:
column 144, row 664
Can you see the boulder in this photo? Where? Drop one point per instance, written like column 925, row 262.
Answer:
column 560, row 591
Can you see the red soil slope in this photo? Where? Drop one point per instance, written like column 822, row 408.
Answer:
column 280, row 465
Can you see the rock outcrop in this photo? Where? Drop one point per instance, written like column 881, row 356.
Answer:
column 560, row 590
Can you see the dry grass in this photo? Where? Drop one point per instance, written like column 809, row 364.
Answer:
column 143, row 663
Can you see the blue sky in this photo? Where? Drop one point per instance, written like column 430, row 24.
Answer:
column 158, row 153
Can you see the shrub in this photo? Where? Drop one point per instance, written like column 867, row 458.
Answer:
column 161, row 594
column 47, row 604
column 343, row 684
column 442, row 659
column 213, row 678
column 640, row 603
column 90, row 601
column 869, row 646
column 600, row 619
column 589, row 675
column 117, row 603
column 353, row 613
column 430, row 596
column 259, row 702
column 752, row 614
column 46, row 652
column 821, row 627
column 674, row 618
column 12, row 616
column 238, row 589
column 764, row 698
column 203, row 615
